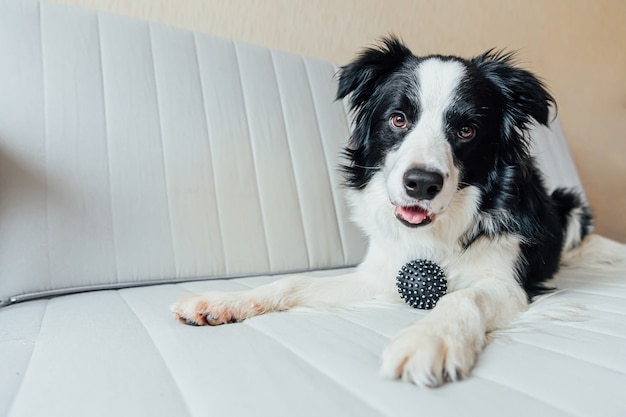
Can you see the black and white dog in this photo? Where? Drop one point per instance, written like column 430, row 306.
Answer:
column 438, row 168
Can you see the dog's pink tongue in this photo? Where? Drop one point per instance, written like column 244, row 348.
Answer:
column 413, row 215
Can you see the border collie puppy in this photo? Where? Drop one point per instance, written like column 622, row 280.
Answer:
column 438, row 168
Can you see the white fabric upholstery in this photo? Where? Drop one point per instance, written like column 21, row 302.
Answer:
column 133, row 153
column 121, row 353
column 551, row 152
column 136, row 152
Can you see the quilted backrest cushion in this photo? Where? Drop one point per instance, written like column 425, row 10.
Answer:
column 133, row 153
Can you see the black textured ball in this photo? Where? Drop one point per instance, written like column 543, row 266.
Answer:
column 421, row 283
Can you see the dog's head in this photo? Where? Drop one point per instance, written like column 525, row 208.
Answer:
column 429, row 126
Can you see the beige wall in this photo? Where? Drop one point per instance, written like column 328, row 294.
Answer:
column 577, row 46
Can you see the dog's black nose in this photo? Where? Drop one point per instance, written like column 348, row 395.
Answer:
column 422, row 185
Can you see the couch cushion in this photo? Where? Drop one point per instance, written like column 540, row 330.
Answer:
column 136, row 152
column 122, row 353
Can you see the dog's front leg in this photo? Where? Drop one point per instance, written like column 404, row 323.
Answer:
column 216, row 308
column 445, row 344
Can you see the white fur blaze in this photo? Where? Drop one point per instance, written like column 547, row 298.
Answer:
column 426, row 145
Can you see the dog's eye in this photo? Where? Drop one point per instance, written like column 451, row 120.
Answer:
column 466, row 133
column 398, row 120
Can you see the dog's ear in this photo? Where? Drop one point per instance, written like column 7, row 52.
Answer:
column 525, row 96
column 359, row 80
column 361, row 77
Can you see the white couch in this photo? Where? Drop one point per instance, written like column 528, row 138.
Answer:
column 146, row 162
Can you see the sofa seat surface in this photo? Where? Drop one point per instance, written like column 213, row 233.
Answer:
column 121, row 352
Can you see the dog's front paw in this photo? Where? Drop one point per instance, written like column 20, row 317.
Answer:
column 429, row 356
column 215, row 308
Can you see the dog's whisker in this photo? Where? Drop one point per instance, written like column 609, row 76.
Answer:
column 364, row 167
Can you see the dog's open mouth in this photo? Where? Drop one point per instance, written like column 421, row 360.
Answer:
column 413, row 216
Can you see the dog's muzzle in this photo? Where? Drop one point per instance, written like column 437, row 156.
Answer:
column 419, row 185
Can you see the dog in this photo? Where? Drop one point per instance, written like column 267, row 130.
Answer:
column 438, row 167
